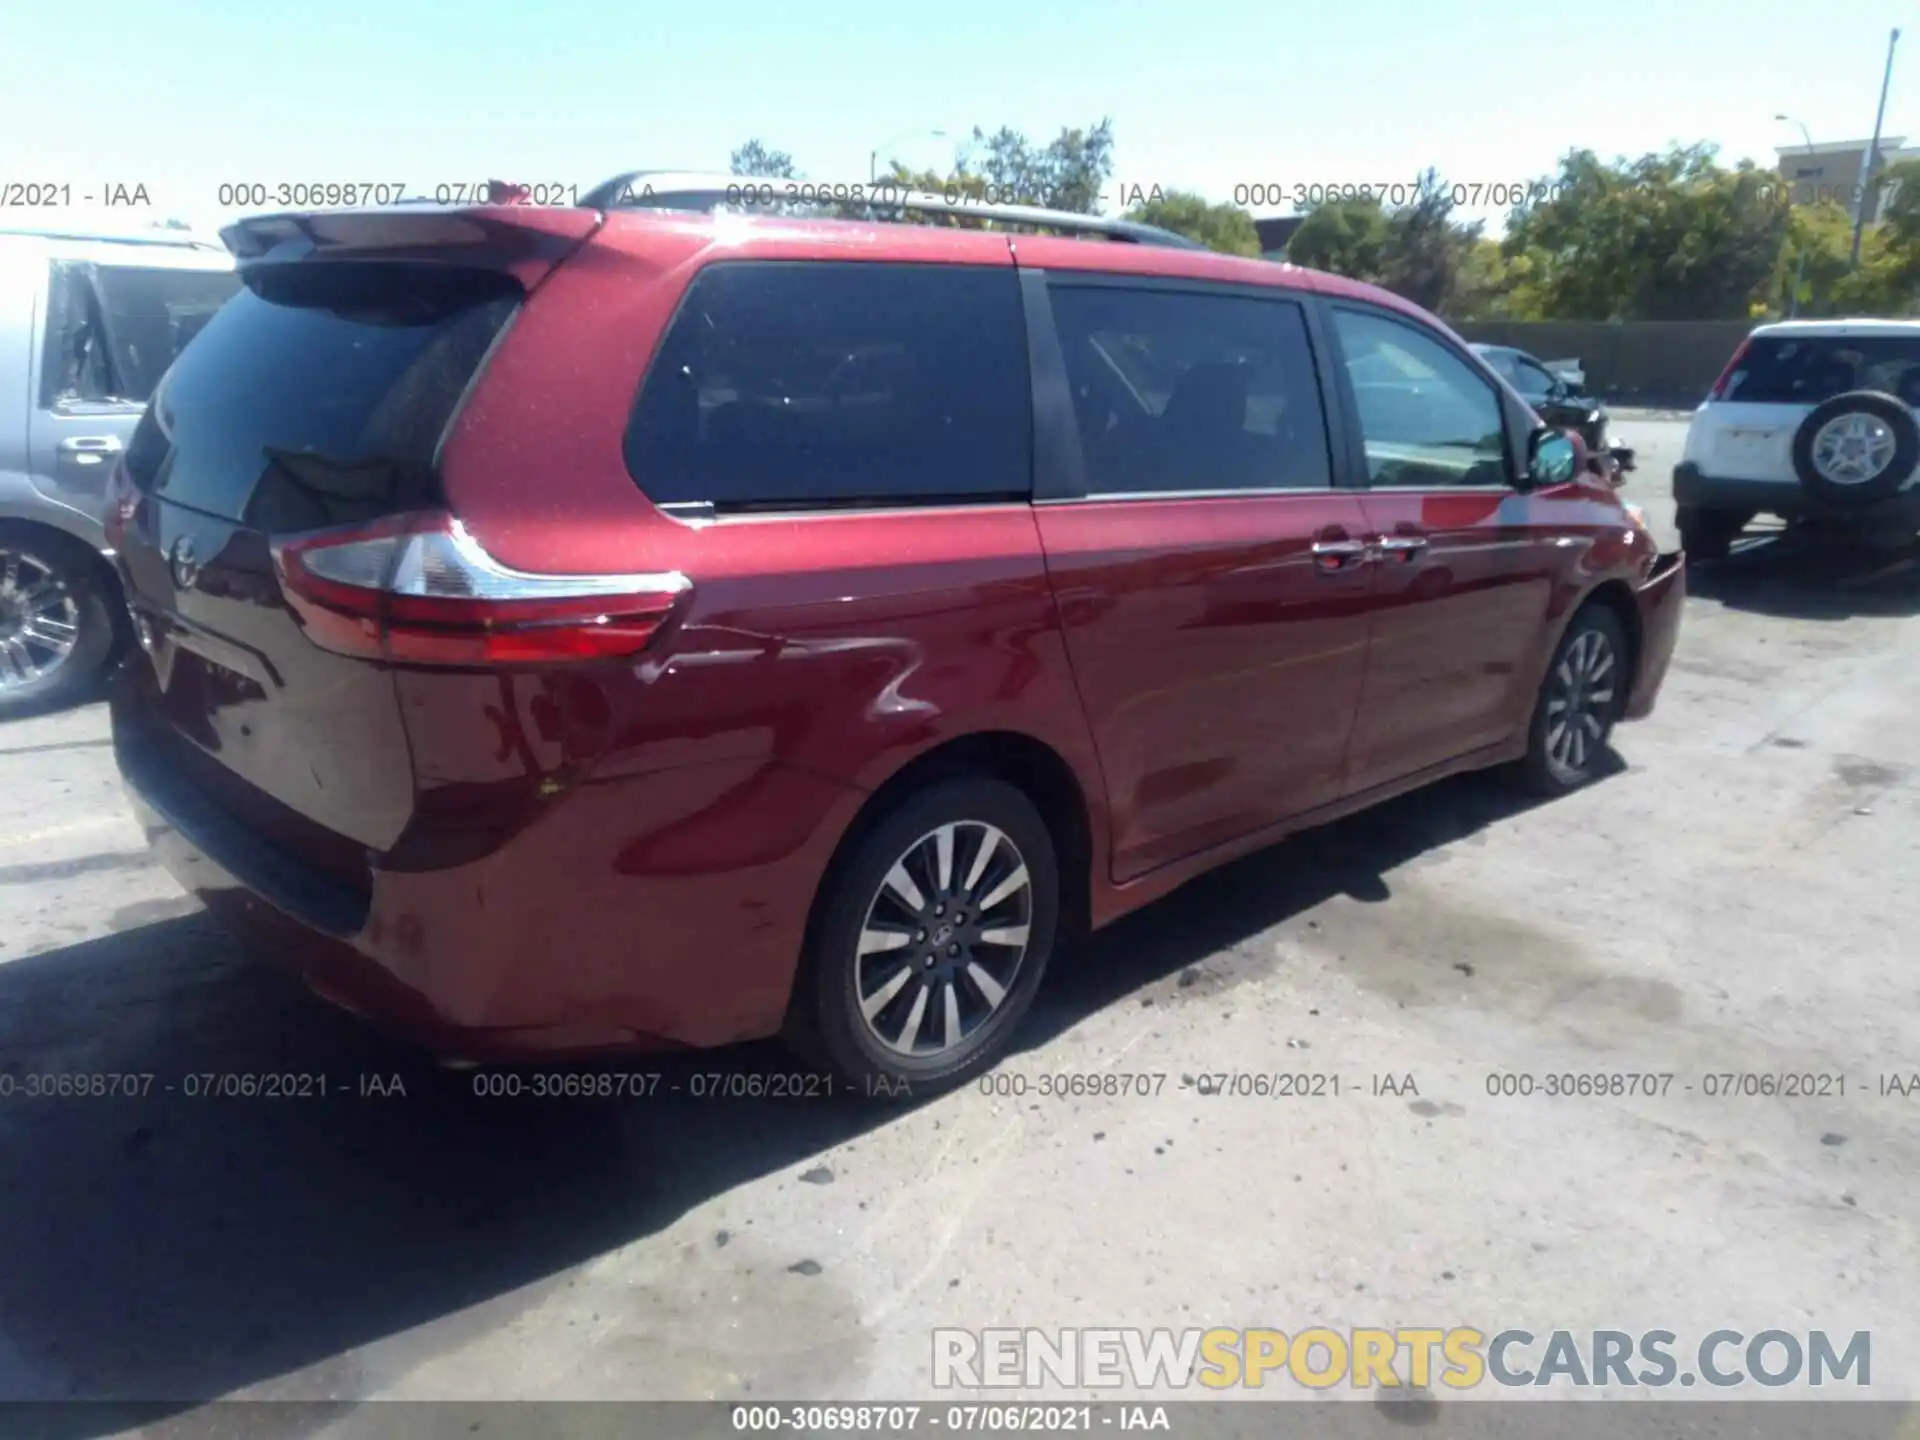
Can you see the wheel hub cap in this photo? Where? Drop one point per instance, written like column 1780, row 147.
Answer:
column 39, row 622
column 944, row 937
column 1853, row 449
column 1580, row 702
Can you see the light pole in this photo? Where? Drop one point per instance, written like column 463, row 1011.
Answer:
column 1873, row 156
column 873, row 156
column 1800, row 254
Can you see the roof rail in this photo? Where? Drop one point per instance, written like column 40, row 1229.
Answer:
column 700, row 191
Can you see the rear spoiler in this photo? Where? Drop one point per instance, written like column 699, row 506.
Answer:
column 525, row 241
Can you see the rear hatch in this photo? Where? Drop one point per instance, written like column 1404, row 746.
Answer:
column 1746, row 430
column 316, row 398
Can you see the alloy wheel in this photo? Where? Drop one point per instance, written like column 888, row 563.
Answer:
column 1580, row 703
column 39, row 620
column 1853, row 448
column 944, row 938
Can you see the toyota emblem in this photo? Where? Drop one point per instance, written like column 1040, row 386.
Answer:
column 186, row 565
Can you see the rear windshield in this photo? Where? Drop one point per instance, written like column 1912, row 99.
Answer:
column 1807, row 369
column 319, row 394
column 798, row 384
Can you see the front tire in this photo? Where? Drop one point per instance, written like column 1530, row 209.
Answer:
column 1582, row 695
column 56, row 622
column 931, row 939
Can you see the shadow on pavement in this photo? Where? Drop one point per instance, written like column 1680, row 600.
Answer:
column 169, row 1248
column 1215, row 913
column 92, row 693
column 1811, row 578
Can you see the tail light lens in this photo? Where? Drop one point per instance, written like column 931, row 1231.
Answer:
column 1719, row 391
column 419, row 590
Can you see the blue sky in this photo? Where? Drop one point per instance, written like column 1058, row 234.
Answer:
column 183, row 95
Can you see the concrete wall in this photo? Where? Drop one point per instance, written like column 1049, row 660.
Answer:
column 1647, row 362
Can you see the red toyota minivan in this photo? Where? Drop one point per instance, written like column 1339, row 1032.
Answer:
column 574, row 629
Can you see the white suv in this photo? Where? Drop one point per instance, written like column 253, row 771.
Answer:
column 1811, row 419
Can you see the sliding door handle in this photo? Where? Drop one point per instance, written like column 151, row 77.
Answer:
column 1332, row 555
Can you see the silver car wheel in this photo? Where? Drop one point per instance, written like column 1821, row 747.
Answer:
column 1580, row 703
column 943, row 939
column 39, row 620
column 1852, row 448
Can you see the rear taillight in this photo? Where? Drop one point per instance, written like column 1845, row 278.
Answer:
column 418, row 590
column 1719, row 391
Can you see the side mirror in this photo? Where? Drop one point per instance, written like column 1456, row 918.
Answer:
column 1553, row 458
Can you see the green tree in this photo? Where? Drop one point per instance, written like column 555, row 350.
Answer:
column 1426, row 248
column 1814, row 258
column 755, row 159
column 1492, row 287
column 1343, row 237
column 958, row 183
column 1223, row 227
column 1069, row 172
column 1669, row 236
column 1417, row 249
column 1888, row 280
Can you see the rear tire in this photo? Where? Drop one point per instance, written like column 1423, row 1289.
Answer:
column 56, row 620
column 1581, row 696
column 926, row 952
column 1709, row 534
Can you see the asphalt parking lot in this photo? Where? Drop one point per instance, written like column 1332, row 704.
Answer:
column 1739, row 898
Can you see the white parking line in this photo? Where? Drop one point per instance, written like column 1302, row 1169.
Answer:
column 77, row 827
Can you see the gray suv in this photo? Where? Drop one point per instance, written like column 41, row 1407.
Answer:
column 88, row 323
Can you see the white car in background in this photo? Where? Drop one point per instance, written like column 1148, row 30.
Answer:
column 1812, row 420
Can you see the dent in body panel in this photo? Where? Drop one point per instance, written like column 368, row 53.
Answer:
column 801, row 647
column 644, row 841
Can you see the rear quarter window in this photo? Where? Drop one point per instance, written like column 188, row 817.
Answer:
column 795, row 384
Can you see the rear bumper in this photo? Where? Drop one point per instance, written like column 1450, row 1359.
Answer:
column 1789, row 501
column 1660, row 600
column 594, row 930
column 218, row 849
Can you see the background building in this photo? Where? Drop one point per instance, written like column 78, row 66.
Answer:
column 1833, row 171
